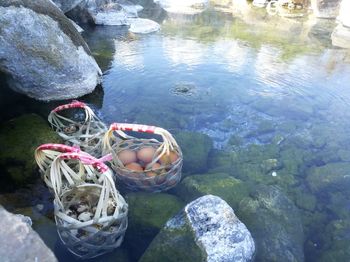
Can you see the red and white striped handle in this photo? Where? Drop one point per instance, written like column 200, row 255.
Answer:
column 73, row 104
column 133, row 127
column 87, row 160
column 59, row 148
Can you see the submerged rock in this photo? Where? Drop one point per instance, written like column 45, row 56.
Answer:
column 19, row 242
column 230, row 189
column 148, row 213
column 195, row 148
column 18, row 140
column 43, row 54
column 275, row 224
column 331, row 177
column 205, row 230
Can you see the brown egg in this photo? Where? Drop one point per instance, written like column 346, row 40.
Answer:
column 168, row 159
column 160, row 180
column 146, row 154
column 156, row 166
column 151, row 174
column 134, row 167
column 127, row 156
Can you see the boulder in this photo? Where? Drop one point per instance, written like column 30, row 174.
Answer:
column 148, row 213
column 195, row 148
column 42, row 53
column 207, row 229
column 230, row 189
column 331, row 177
column 275, row 224
column 67, row 5
column 19, row 242
column 18, row 140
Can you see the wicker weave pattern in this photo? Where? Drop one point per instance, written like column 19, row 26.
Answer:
column 103, row 225
column 87, row 134
column 162, row 178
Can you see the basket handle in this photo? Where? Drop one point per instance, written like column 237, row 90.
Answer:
column 73, row 104
column 87, row 160
column 133, row 127
column 59, row 147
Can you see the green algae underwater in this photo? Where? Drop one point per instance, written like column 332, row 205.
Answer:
column 261, row 114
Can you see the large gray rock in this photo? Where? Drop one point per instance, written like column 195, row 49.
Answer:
column 341, row 36
column 42, row 52
column 205, row 230
column 67, row 5
column 19, row 242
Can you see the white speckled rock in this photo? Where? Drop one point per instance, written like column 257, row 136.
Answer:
column 143, row 26
column 205, row 230
column 19, row 242
column 42, row 52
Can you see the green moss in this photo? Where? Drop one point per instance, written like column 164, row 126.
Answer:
column 195, row 148
column 148, row 213
column 228, row 188
column 18, row 140
column 174, row 244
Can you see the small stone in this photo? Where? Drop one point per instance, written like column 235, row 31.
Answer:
column 274, row 173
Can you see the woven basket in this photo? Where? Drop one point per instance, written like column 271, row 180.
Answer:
column 46, row 153
column 91, row 218
column 161, row 172
column 87, row 132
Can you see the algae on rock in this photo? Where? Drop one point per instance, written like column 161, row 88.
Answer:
column 18, row 140
column 148, row 213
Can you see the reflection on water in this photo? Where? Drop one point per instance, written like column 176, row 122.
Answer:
column 250, row 83
column 272, row 93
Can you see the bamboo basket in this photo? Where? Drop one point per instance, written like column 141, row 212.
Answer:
column 46, row 153
column 161, row 172
column 87, row 133
column 91, row 218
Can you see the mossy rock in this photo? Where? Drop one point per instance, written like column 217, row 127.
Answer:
column 148, row 213
column 18, row 140
column 331, row 177
column 230, row 189
column 275, row 224
column 195, row 148
column 338, row 237
column 174, row 244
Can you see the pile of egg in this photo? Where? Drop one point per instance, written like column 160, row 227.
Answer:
column 141, row 160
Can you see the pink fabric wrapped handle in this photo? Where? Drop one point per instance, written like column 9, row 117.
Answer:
column 59, row 148
column 74, row 104
column 133, row 127
column 87, row 160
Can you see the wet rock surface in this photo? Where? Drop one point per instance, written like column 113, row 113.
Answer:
column 18, row 140
column 67, row 5
column 43, row 54
column 19, row 242
column 205, row 230
column 148, row 213
column 275, row 224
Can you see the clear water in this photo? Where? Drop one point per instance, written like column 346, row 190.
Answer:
column 250, row 83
